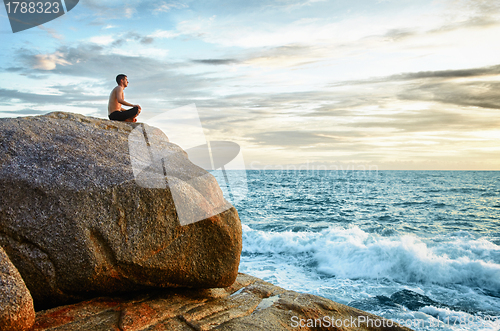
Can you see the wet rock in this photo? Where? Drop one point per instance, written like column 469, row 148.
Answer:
column 412, row 300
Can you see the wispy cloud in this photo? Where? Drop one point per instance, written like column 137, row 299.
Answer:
column 473, row 94
column 166, row 7
column 105, row 12
column 438, row 74
column 216, row 61
column 10, row 96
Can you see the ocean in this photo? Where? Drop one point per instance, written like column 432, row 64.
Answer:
column 418, row 247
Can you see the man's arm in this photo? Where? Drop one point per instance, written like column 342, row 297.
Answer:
column 119, row 98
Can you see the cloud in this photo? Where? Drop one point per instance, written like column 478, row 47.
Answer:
column 102, row 40
column 473, row 22
column 277, row 57
column 166, row 7
column 448, row 104
column 216, row 61
column 464, row 14
column 63, row 57
column 156, row 83
column 9, row 96
column 468, row 94
column 291, row 138
column 421, row 75
column 90, row 60
column 104, row 12
column 129, row 11
column 299, row 4
column 26, row 112
column 399, row 34
column 146, row 40
column 53, row 33
column 14, row 69
column 166, row 34
column 346, row 103
column 48, row 61
column 286, row 55
column 429, row 120
column 473, row 87
column 123, row 39
column 460, row 73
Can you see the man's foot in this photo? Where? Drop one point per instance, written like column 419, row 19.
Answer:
column 132, row 120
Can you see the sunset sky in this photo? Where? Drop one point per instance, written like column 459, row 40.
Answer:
column 396, row 84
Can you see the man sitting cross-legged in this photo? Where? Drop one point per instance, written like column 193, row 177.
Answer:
column 116, row 100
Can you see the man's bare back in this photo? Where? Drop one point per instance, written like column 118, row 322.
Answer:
column 116, row 100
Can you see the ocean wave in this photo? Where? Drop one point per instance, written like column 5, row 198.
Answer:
column 353, row 253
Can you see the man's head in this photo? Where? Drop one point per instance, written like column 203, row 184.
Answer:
column 121, row 79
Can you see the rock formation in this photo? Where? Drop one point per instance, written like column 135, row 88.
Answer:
column 250, row 304
column 16, row 305
column 76, row 224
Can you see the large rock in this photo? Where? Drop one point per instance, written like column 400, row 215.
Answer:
column 250, row 304
column 76, row 224
column 16, row 305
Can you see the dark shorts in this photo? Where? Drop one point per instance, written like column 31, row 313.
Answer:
column 123, row 115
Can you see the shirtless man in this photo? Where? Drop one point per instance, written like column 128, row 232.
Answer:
column 116, row 100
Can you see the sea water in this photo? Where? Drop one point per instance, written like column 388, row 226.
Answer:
column 418, row 247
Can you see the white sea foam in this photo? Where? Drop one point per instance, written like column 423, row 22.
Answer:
column 353, row 253
column 446, row 314
column 459, row 320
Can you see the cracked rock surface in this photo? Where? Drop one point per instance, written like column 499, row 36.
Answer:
column 250, row 304
column 76, row 224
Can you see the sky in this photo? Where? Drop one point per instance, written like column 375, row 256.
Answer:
column 311, row 84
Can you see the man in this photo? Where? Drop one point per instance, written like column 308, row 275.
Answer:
column 116, row 100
